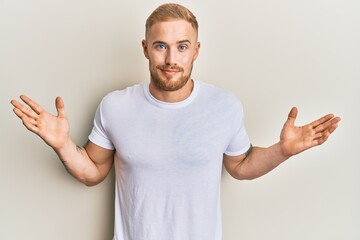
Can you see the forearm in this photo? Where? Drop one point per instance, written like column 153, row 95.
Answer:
column 78, row 163
column 259, row 162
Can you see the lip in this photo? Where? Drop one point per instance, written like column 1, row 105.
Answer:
column 170, row 71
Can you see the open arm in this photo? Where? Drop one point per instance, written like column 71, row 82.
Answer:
column 89, row 164
column 293, row 140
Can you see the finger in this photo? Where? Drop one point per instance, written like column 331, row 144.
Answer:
column 30, row 126
column 21, row 110
column 292, row 116
column 328, row 124
column 320, row 138
column 323, row 138
column 24, row 117
column 18, row 112
column 29, row 123
column 32, row 104
column 321, row 120
column 330, row 130
column 59, row 103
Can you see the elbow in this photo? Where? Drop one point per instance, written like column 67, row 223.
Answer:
column 90, row 182
column 242, row 173
column 91, row 179
column 244, row 177
column 247, row 177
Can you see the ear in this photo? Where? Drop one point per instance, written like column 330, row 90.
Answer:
column 145, row 48
column 197, row 49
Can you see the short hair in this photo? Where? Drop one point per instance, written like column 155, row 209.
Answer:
column 169, row 11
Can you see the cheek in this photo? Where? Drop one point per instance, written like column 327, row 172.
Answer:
column 189, row 56
column 182, row 59
column 155, row 59
column 187, row 61
column 153, row 65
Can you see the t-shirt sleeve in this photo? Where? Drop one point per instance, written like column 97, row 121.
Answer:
column 240, row 143
column 98, row 133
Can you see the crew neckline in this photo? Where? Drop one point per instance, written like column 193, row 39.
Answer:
column 171, row 105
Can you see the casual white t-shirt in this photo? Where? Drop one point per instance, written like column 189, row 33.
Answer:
column 168, row 160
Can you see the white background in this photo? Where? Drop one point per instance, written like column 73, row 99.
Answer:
column 272, row 54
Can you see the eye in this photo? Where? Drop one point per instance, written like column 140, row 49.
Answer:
column 160, row 46
column 182, row 48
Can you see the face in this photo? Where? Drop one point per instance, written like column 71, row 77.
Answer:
column 171, row 48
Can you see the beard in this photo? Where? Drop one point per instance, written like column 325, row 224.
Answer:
column 169, row 83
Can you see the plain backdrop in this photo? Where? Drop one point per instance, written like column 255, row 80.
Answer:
column 272, row 54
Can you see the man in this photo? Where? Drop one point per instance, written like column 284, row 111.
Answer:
column 168, row 140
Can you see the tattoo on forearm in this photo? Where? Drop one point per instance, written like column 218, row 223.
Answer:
column 78, row 148
column 66, row 167
column 249, row 150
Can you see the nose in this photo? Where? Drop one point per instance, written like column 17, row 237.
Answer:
column 170, row 56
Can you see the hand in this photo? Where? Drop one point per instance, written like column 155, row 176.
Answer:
column 294, row 140
column 54, row 130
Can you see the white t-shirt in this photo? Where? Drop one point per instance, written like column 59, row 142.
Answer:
column 168, row 160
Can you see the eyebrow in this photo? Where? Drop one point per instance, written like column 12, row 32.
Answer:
column 181, row 41
column 184, row 41
column 157, row 42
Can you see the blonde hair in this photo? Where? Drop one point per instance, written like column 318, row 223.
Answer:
column 168, row 12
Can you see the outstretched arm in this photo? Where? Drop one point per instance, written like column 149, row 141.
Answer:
column 293, row 140
column 89, row 164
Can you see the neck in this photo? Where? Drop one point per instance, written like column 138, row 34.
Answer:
column 172, row 96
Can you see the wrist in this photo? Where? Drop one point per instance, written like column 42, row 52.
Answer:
column 65, row 148
column 282, row 152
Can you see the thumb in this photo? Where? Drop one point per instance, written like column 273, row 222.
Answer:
column 59, row 103
column 292, row 116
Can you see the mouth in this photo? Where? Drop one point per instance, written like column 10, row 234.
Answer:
column 170, row 71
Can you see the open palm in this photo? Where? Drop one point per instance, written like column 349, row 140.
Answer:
column 54, row 130
column 295, row 139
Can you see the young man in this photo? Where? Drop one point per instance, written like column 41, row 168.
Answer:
column 168, row 140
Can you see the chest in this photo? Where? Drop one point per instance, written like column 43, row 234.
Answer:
column 155, row 138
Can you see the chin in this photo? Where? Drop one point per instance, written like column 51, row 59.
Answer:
column 170, row 85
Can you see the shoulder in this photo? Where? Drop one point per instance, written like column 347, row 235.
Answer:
column 221, row 96
column 122, row 96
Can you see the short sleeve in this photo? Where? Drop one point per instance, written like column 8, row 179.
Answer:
column 98, row 133
column 240, row 143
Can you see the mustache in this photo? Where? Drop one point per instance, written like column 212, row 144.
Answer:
column 170, row 67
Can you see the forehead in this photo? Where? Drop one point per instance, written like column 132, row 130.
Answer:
column 172, row 30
